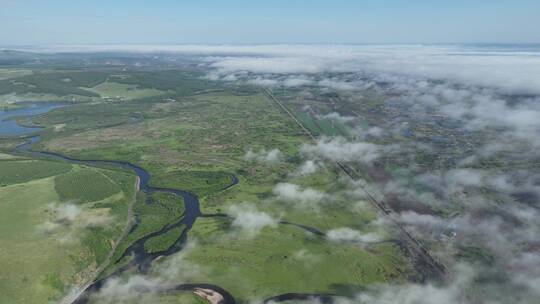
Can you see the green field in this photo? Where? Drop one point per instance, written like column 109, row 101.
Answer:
column 124, row 91
column 26, row 170
column 322, row 126
column 4, row 156
column 71, row 241
column 294, row 261
column 13, row 73
column 192, row 134
column 83, row 186
column 233, row 266
column 185, row 297
column 165, row 209
column 164, row 241
column 203, row 183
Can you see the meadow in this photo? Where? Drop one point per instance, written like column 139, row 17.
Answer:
column 22, row 171
column 287, row 259
column 84, row 185
column 192, row 134
column 36, row 217
column 165, row 209
column 114, row 90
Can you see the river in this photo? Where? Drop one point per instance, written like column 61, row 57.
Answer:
column 142, row 260
column 10, row 127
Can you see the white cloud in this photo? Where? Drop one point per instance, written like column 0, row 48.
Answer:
column 249, row 219
column 337, row 85
column 177, row 268
column 271, row 157
column 297, row 82
column 339, row 149
column 450, row 293
column 118, row 290
column 336, row 116
column 295, row 194
column 350, row 235
column 308, row 167
column 506, row 70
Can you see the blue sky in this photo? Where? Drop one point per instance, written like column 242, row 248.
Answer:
column 34, row 22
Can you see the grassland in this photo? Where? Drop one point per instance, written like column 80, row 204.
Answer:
column 62, row 84
column 74, row 85
column 286, row 259
column 49, row 245
column 26, row 170
column 194, row 138
column 203, row 183
column 195, row 144
column 84, row 185
column 13, row 73
column 165, row 209
column 185, row 297
column 195, row 134
column 319, row 126
column 4, row 156
column 22, row 213
column 122, row 91
column 164, row 241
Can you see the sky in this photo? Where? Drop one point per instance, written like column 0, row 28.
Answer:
column 53, row 22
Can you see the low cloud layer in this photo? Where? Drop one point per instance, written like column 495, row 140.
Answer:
column 503, row 68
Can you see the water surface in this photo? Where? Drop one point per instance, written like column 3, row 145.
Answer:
column 10, row 127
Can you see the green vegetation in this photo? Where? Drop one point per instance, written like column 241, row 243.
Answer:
column 181, row 82
column 58, row 83
column 165, row 209
column 83, row 186
column 124, row 91
column 14, row 172
column 201, row 182
column 193, row 134
column 22, row 212
column 206, row 145
column 13, row 73
column 476, row 255
column 322, row 126
column 181, row 297
column 293, row 262
column 4, row 156
column 79, row 117
column 71, row 242
column 164, row 241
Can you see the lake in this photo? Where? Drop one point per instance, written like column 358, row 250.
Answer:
column 10, row 127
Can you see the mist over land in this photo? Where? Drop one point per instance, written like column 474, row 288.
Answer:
column 444, row 137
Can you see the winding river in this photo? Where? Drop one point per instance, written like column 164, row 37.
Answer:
column 142, row 260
